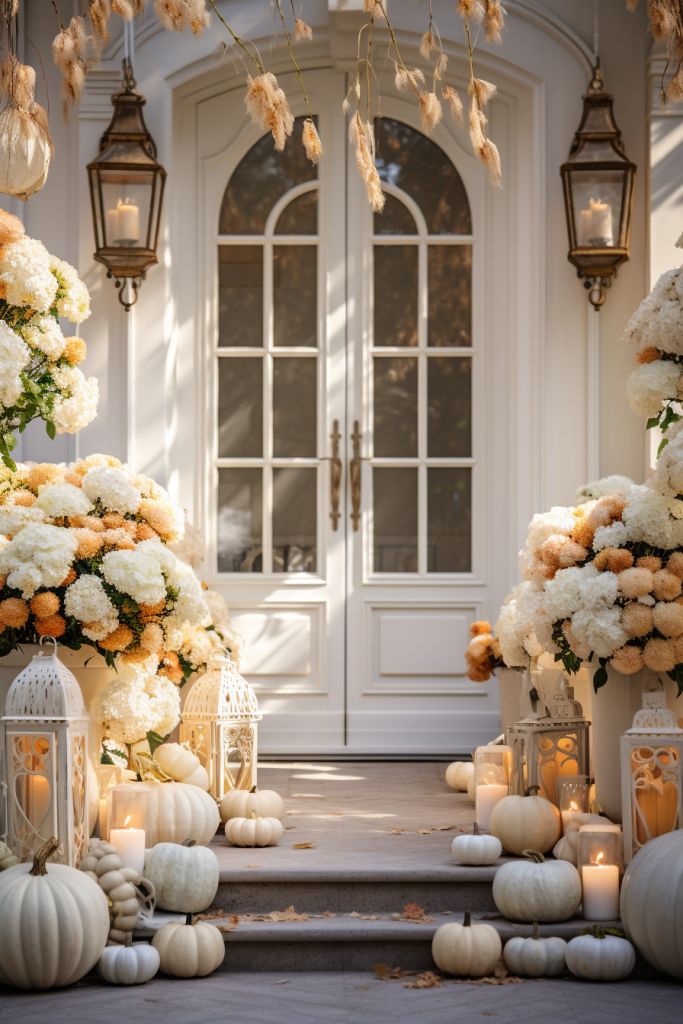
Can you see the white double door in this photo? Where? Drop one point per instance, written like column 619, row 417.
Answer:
column 345, row 480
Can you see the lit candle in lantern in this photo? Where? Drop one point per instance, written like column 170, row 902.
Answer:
column 112, row 225
column 129, row 222
column 601, row 226
column 585, row 226
column 600, row 890
column 130, row 845
column 568, row 816
column 104, row 818
column 486, row 798
column 37, row 800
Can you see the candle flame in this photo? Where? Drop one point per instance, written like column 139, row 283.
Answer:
column 126, row 823
column 600, row 857
column 573, row 806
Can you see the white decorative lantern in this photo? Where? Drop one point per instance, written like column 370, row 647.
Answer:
column 651, row 773
column 219, row 724
column 548, row 744
column 46, row 759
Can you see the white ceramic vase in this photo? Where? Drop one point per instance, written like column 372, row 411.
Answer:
column 510, row 685
column 612, row 711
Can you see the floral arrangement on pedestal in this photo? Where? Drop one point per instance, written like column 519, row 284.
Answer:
column 39, row 374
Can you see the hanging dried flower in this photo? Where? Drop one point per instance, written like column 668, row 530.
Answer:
column 662, row 19
column 177, row 15
column 486, row 150
column 25, row 143
column 99, row 12
column 268, row 107
column 311, row 141
column 440, row 66
column 302, row 30
column 454, row 102
column 406, row 78
column 124, row 8
column 70, row 54
column 363, row 137
column 483, row 91
column 373, row 8
column 431, row 111
column 473, row 10
column 427, row 44
column 494, row 21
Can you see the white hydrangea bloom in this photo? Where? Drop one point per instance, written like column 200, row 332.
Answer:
column 600, row 630
column 667, row 478
column 87, row 601
column 190, row 605
column 78, row 406
column 653, row 518
column 73, row 299
column 63, row 500
column 44, row 334
column 26, row 276
column 38, row 556
column 515, row 626
column 14, row 356
column 165, row 699
column 598, row 590
column 136, row 573
column 613, row 536
column 651, row 384
column 113, row 488
column 562, row 595
column 614, row 484
column 545, row 524
column 658, row 321
column 14, row 518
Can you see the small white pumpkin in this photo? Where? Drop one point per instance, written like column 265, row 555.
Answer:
column 476, row 848
column 182, row 764
column 132, row 964
column 567, row 848
column 526, row 823
column 536, row 889
column 184, row 877
column 126, row 891
column 652, row 902
column 189, row 950
column 253, row 831
column 7, row 858
column 54, row 923
column 458, row 775
column 264, row 803
column 178, row 812
column 468, row 950
column 600, row 957
column 535, row 957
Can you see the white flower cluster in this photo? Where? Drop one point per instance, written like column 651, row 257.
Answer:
column 26, row 277
column 146, row 574
column 113, row 487
column 653, row 518
column 60, row 501
column 515, row 626
column 614, row 484
column 45, row 334
column 138, row 702
column 73, row 300
column 651, row 384
column 38, row 556
column 14, row 357
column 658, row 321
column 87, row 601
column 76, row 404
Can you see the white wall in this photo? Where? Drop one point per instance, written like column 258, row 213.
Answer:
column 547, row 47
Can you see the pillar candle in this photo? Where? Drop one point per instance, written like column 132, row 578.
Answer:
column 38, row 800
column 112, row 225
column 602, row 222
column 600, row 892
column 585, row 226
column 486, row 798
column 129, row 222
column 104, row 818
column 130, row 846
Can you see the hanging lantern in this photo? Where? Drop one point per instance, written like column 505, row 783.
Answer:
column 651, row 773
column 598, row 193
column 126, row 191
column 219, row 723
column 46, row 759
column 548, row 743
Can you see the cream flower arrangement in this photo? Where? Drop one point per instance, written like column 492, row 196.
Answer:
column 39, row 374
column 85, row 556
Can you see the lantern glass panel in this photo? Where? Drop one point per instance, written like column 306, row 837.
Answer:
column 127, row 205
column 558, row 756
column 492, row 768
column 597, row 198
column 655, row 772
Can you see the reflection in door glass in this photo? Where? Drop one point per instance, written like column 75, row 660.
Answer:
column 294, row 520
column 395, row 295
column 449, row 406
column 449, row 520
column 240, row 407
column 295, row 295
column 240, row 296
column 395, row 406
column 394, row 494
column 294, row 407
column 450, row 295
column 240, row 504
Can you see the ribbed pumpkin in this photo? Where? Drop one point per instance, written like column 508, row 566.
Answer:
column 132, row 964
column 652, row 903
column 55, row 922
column 264, row 803
column 534, row 957
column 253, row 831
column 178, row 812
column 468, row 950
column 458, row 775
column 476, row 849
column 526, row 823
column 600, row 957
column 536, row 889
column 189, row 950
column 185, row 878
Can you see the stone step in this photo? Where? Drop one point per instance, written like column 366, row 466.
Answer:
column 344, row 942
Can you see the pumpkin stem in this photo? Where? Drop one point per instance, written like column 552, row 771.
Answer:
column 536, row 933
column 535, row 855
column 129, row 940
column 188, row 919
column 253, row 789
column 253, row 815
column 189, row 842
column 475, row 830
column 41, row 856
column 467, row 919
column 532, row 791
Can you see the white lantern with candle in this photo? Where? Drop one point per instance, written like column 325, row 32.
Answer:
column 492, row 766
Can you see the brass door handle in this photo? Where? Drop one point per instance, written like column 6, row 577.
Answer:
column 355, row 476
column 335, row 476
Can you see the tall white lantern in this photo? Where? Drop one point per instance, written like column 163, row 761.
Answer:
column 651, row 773
column 219, row 721
column 45, row 761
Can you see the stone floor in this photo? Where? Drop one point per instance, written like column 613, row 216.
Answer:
column 353, row 998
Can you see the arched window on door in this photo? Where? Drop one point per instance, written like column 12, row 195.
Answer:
column 268, row 364
column 421, row 360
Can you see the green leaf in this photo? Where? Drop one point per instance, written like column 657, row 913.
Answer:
column 653, row 422
column 154, row 740
column 106, row 758
column 600, row 678
column 662, row 445
column 51, row 430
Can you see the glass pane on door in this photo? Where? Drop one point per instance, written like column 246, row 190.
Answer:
column 240, row 408
column 449, row 520
column 394, row 502
column 240, row 517
column 395, row 407
column 294, row 520
column 294, row 407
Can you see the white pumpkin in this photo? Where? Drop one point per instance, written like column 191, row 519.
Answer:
column 7, row 858
column 184, row 877
column 567, row 848
column 132, row 964
column 126, row 891
column 264, row 803
column 526, row 823
column 476, row 848
column 536, row 889
column 189, row 950
column 535, row 957
column 254, row 831
column 458, row 775
column 600, row 957
column 55, row 922
column 652, row 902
column 178, row 812
column 468, row 950
column 182, row 764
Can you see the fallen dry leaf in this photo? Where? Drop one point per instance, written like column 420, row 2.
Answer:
column 283, row 981
column 364, row 917
column 385, row 973
column 414, row 913
column 396, row 831
column 303, row 846
column 290, row 914
column 428, row 979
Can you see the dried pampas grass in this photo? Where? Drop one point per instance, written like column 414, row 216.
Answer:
column 454, row 102
column 494, row 21
column 362, row 136
column 177, row 15
column 268, row 107
column 302, row 31
column 311, row 141
column 486, row 150
column 70, row 53
column 99, row 12
column 473, row 10
column 431, row 112
column 482, row 91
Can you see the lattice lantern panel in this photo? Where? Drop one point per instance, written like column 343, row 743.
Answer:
column 549, row 747
column 45, row 759
column 651, row 774
column 219, row 722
